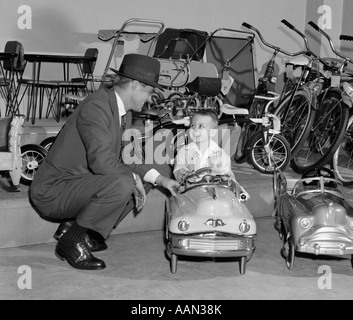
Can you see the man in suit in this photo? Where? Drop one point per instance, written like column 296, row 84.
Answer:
column 82, row 180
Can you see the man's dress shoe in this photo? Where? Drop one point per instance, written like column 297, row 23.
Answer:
column 95, row 241
column 78, row 255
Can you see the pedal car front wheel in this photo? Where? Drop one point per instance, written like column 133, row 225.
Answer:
column 242, row 265
column 288, row 252
column 173, row 263
column 32, row 157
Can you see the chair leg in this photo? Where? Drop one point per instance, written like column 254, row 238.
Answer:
column 41, row 100
column 29, row 101
column 57, row 109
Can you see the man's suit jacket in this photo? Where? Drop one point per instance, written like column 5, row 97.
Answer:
column 89, row 143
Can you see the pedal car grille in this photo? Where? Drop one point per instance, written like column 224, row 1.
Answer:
column 213, row 244
column 205, row 244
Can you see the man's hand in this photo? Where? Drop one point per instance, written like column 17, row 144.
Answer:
column 139, row 193
column 167, row 183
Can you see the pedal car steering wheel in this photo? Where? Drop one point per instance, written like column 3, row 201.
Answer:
column 194, row 177
column 320, row 172
column 203, row 176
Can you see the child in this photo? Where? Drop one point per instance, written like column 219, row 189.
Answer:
column 202, row 151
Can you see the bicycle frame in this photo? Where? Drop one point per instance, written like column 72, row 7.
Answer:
column 269, row 79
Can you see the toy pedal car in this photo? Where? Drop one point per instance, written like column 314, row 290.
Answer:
column 208, row 218
column 314, row 216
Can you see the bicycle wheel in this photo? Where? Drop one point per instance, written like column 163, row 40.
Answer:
column 296, row 118
column 325, row 136
column 342, row 162
column 278, row 157
column 32, row 157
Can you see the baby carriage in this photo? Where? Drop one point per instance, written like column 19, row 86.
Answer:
column 196, row 69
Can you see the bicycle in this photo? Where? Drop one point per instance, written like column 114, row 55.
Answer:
column 256, row 107
column 332, row 111
column 296, row 108
column 342, row 161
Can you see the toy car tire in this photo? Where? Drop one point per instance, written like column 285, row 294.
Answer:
column 290, row 256
column 173, row 263
column 242, row 265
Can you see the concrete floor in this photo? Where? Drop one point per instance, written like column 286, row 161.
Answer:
column 137, row 269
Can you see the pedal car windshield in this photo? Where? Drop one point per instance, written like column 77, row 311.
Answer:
column 318, row 185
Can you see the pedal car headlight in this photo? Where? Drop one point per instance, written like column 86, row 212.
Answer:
column 244, row 227
column 305, row 223
column 183, row 225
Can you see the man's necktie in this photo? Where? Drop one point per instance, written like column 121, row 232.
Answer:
column 122, row 127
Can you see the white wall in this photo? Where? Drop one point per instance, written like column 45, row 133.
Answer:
column 72, row 26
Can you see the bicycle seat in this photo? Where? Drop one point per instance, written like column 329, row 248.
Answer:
column 229, row 109
column 299, row 61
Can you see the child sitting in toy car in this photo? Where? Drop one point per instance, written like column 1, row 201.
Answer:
column 203, row 151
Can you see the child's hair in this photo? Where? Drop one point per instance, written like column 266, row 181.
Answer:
column 208, row 113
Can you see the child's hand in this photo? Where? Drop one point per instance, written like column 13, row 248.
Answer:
column 168, row 184
column 181, row 174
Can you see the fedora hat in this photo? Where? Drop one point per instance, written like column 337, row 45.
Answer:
column 142, row 68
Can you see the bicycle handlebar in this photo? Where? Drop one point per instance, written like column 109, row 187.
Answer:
column 317, row 28
column 345, row 37
column 277, row 49
column 309, row 52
